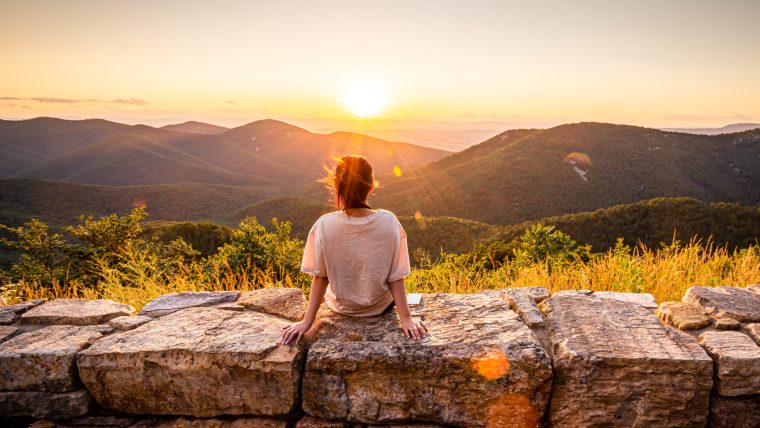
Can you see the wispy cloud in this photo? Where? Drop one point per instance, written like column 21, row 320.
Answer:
column 130, row 101
column 55, row 100
column 133, row 101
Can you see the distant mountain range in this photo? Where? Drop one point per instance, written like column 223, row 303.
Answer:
column 265, row 153
column 734, row 127
column 58, row 169
column 195, row 127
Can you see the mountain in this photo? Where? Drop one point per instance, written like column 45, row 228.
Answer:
column 735, row 127
column 24, row 143
column 195, row 127
column 61, row 203
column 578, row 167
column 262, row 153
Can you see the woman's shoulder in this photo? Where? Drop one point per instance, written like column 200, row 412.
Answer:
column 386, row 212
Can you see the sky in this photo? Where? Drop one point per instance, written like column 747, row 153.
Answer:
column 450, row 72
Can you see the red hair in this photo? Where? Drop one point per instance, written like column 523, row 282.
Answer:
column 352, row 182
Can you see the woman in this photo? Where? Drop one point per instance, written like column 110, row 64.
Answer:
column 358, row 256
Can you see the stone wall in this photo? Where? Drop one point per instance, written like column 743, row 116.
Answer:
column 503, row 358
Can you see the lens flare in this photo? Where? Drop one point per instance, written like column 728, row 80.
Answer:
column 512, row 410
column 491, row 365
column 397, row 171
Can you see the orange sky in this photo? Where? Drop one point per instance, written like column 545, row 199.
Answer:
column 447, row 67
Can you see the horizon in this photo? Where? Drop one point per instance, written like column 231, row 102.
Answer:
column 452, row 147
column 447, row 77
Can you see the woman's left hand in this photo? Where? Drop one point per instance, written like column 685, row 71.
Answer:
column 294, row 331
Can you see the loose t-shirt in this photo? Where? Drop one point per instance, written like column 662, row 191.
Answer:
column 359, row 256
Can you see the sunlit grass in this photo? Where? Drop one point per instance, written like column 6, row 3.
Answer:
column 666, row 273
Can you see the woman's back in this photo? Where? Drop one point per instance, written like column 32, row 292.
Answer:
column 359, row 256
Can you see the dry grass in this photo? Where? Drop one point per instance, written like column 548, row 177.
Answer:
column 665, row 273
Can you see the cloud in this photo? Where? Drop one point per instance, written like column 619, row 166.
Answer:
column 14, row 105
column 130, row 101
column 54, row 100
column 133, row 101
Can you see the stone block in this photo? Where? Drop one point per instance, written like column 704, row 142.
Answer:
column 45, row 359
column 737, row 362
column 732, row 302
column 201, row 362
column 478, row 365
column 76, row 312
column 615, row 364
column 170, row 303
column 735, row 412
column 10, row 314
column 40, row 404
column 683, row 316
column 524, row 302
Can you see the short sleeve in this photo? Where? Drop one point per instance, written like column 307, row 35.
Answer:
column 400, row 264
column 313, row 261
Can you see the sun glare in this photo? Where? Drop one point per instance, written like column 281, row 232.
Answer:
column 365, row 97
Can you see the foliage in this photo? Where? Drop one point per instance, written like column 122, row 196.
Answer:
column 112, row 257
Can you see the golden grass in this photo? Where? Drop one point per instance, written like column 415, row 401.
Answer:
column 665, row 273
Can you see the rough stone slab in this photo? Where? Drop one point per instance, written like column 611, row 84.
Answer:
column 615, row 364
column 76, row 312
column 200, row 362
column 45, row 359
column 90, row 421
column 683, row 316
column 732, row 302
column 312, row 422
column 288, row 303
column 170, row 303
column 247, row 422
column 478, row 365
column 754, row 288
column 737, row 361
column 129, row 323
column 726, row 324
column 39, row 404
column 645, row 300
column 735, row 412
column 754, row 331
column 11, row 314
column 523, row 301
column 6, row 332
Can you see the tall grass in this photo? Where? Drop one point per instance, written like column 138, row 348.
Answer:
column 666, row 273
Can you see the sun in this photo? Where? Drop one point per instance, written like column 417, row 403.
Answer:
column 365, row 98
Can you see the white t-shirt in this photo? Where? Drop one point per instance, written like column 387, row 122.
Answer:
column 359, row 256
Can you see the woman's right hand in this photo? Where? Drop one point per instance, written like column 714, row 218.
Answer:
column 412, row 328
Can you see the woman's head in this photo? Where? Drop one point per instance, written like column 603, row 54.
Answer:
column 352, row 181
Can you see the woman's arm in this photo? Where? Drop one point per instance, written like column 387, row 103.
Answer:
column 297, row 330
column 412, row 328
